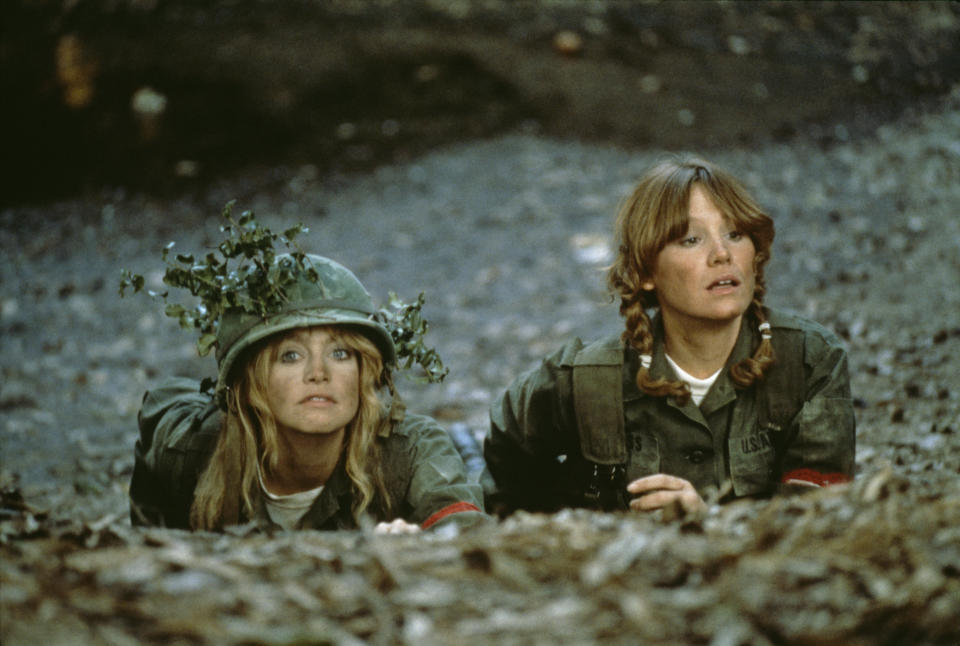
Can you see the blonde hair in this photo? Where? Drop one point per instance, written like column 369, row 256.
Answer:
column 248, row 438
column 656, row 213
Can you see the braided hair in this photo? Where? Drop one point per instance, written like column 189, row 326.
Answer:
column 656, row 213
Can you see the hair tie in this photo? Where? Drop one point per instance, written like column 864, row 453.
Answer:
column 765, row 330
column 646, row 360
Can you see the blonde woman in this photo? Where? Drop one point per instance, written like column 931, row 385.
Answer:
column 306, row 434
column 706, row 390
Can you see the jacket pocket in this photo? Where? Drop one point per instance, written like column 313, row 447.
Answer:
column 644, row 454
column 752, row 461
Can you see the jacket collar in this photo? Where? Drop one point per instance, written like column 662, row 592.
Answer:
column 723, row 390
column 332, row 508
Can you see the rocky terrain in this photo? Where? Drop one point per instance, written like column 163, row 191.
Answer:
column 507, row 235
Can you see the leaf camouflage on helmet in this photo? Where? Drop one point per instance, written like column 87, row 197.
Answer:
column 268, row 292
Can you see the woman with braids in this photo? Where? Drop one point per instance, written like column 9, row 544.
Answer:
column 706, row 395
column 304, row 429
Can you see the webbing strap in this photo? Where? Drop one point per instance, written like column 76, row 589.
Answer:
column 598, row 403
column 780, row 395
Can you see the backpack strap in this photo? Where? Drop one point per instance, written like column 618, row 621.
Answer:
column 598, row 402
column 781, row 392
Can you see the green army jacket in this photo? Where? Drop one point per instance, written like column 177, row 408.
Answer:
column 797, row 423
column 179, row 427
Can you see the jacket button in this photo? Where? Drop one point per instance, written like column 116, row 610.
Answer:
column 697, row 456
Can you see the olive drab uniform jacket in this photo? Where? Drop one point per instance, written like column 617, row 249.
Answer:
column 179, row 427
column 576, row 430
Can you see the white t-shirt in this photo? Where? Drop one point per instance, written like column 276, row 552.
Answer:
column 698, row 387
column 287, row 511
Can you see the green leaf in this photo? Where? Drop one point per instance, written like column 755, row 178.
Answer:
column 253, row 288
column 131, row 280
column 205, row 343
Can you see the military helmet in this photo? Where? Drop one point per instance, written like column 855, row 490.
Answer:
column 336, row 298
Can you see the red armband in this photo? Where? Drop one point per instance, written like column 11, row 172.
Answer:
column 455, row 508
column 811, row 477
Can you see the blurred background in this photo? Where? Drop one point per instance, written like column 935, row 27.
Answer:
column 165, row 95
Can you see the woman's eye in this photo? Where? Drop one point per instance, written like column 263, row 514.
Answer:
column 735, row 235
column 288, row 356
column 689, row 241
column 342, row 353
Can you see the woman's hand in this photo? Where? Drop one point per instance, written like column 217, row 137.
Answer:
column 396, row 526
column 661, row 491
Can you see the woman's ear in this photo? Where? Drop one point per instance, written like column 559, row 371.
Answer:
column 231, row 397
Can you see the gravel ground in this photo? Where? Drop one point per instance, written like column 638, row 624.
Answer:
column 508, row 238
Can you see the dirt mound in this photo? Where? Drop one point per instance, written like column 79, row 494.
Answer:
column 872, row 563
